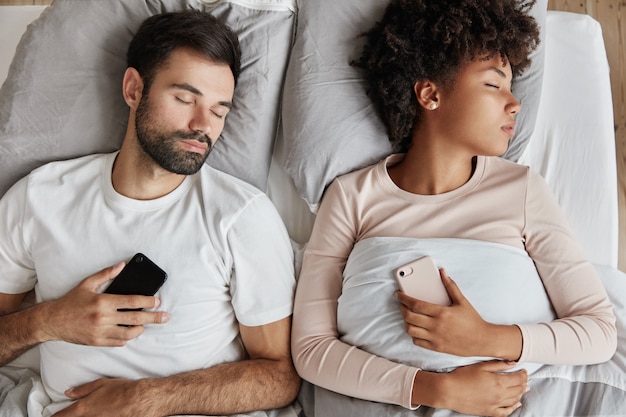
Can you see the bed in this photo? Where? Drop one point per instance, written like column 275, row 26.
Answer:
column 292, row 59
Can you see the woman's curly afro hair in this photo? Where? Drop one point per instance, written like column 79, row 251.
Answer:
column 431, row 40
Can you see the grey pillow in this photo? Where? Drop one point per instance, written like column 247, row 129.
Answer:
column 330, row 126
column 62, row 97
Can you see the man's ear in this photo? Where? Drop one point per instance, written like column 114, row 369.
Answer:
column 132, row 87
column 427, row 94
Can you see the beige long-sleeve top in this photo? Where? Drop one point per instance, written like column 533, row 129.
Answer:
column 502, row 202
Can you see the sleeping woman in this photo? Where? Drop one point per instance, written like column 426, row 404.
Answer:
column 523, row 293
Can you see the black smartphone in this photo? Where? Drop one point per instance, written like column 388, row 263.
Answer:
column 140, row 276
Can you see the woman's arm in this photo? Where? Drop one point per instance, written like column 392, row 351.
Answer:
column 319, row 356
column 585, row 330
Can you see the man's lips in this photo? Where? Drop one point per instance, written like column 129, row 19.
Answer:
column 193, row 145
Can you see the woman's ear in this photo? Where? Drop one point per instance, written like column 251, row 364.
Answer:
column 427, row 94
column 132, row 87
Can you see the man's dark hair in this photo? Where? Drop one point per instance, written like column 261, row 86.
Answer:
column 431, row 40
column 159, row 35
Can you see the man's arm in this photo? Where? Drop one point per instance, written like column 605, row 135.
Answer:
column 17, row 336
column 82, row 316
column 264, row 381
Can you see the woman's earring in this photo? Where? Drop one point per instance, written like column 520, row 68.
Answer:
column 433, row 106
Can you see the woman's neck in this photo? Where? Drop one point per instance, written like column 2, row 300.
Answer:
column 431, row 170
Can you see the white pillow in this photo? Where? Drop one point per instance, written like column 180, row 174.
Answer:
column 330, row 125
column 62, row 97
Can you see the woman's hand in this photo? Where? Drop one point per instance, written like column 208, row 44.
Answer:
column 484, row 389
column 457, row 329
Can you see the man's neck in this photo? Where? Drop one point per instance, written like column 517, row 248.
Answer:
column 135, row 176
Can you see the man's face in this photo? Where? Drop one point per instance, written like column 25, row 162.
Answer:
column 181, row 116
column 162, row 146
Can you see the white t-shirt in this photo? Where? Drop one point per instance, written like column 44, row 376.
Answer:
column 221, row 241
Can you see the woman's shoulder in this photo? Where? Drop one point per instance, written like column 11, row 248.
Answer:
column 504, row 169
column 516, row 176
column 499, row 163
column 360, row 171
column 368, row 172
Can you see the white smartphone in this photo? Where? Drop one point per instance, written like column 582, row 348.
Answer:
column 420, row 279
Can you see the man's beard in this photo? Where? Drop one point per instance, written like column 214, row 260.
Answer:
column 162, row 147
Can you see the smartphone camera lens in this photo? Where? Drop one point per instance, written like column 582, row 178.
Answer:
column 139, row 259
column 402, row 273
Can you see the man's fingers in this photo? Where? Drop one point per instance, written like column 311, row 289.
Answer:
column 139, row 318
column 132, row 302
column 81, row 391
column 96, row 280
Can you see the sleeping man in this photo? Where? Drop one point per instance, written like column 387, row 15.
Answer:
column 215, row 339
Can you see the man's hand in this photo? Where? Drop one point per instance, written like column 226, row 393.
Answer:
column 115, row 397
column 457, row 329
column 83, row 316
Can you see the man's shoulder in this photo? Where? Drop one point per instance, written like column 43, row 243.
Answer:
column 235, row 201
column 214, row 180
column 55, row 169
column 66, row 174
column 54, row 182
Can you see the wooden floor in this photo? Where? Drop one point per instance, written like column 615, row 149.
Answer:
column 612, row 16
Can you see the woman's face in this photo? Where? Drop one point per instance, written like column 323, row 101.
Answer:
column 478, row 112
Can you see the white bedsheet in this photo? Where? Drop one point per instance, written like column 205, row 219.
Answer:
column 574, row 142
